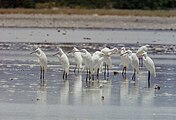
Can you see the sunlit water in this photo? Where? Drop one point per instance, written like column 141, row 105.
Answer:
column 21, row 96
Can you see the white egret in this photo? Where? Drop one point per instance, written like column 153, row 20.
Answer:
column 107, row 59
column 42, row 59
column 97, row 62
column 148, row 62
column 64, row 62
column 125, row 61
column 78, row 59
column 134, row 63
column 87, row 59
column 140, row 51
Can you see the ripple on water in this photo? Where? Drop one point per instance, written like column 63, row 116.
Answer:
column 53, row 75
column 11, row 99
column 13, row 86
column 169, row 69
column 11, row 91
column 7, row 73
column 33, row 84
column 5, row 86
column 3, row 81
column 31, row 66
column 169, row 79
column 167, row 94
column 19, row 84
column 158, row 68
column 8, row 66
column 32, row 74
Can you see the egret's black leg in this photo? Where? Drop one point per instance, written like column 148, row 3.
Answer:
column 40, row 73
column 78, row 70
column 75, row 68
column 43, row 76
column 105, row 72
column 98, row 73
column 125, row 70
column 87, row 75
column 134, row 76
column 66, row 75
column 148, row 79
column 63, row 75
column 124, row 73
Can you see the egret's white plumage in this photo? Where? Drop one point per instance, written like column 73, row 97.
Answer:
column 97, row 62
column 42, row 59
column 87, row 59
column 141, row 50
column 107, row 58
column 125, row 60
column 63, row 59
column 134, row 62
column 78, row 59
column 148, row 62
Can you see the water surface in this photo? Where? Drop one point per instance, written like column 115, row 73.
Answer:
column 23, row 98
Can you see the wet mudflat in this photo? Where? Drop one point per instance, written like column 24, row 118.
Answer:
column 115, row 98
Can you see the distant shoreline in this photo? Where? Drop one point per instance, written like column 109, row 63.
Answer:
column 87, row 21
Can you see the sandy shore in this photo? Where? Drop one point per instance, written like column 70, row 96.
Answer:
column 87, row 21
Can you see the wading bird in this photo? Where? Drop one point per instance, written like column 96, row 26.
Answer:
column 107, row 59
column 134, row 63
column 78, row 59
column 97, row 62
column 63, row 59
column 148, row 62
column 140, row 51
column 42, row 59
column 87, row 60
column 125, row 61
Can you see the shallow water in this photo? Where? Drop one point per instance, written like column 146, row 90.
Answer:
column 59, row 35
column 23, row 98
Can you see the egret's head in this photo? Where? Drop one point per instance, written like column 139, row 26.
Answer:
column 74, row 49
column 129, row 51
column 123, row 48
column 147, row 45
column 115, row 50
column 58, row 53
column 83, row 51
column 38, row 50
column 99, row 53
column 144, row 54
column 146, row 48
column 59, row 49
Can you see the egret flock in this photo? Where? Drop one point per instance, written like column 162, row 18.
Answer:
column 100, row 60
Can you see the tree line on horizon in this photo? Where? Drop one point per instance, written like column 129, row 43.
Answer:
column 91, row 4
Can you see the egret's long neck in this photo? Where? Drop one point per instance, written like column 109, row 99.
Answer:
column 38, row 54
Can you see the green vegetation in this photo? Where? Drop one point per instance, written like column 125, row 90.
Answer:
column 90, row 7
column 78, row 11
column 91, row 4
